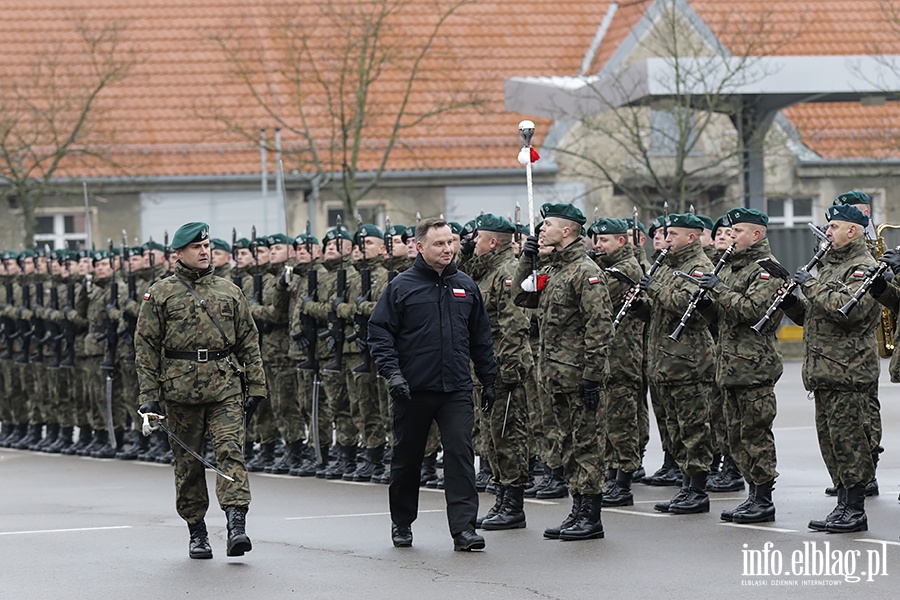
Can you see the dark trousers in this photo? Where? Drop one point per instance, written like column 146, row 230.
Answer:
column 455, row 417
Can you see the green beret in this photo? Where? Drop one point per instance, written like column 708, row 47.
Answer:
column 26, row 254
column 98, row 255
column 72, row 255
column 85, row 253
column 489, row 222
column 190, row 233
column 745, row 215
column 220, row 244
column 277, row 238
column 59, row 253
column 846, row 212
column 261, row 241
column 707, row 222
column 537, row 228
column 333, row 234
column 410, row 233
column 641, row 226
column 720, row 222
column 684, row 220
column 394, row 229
column 116, row 251
column 370, row 231
column 151, row 245
column 135, row 250
column 852, row 197
column 10, row 255
column 469, row 228
column 241, row 243
column 455, row 227
column 300, row 240
column 608, row 226
column 523, row 228
column 563, row 211
column 657, row 223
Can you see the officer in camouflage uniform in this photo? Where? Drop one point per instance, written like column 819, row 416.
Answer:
column 683, row 371
column 492, row 268
column 615, row 255
column 643, row 409
column 194, row 331
column 841, row 363
column 573, row 367
column 748, row 364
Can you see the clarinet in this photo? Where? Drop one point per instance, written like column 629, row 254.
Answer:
column 635, row 290
column 698, row 296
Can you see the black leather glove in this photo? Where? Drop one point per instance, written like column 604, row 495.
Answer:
column 801, row 276
column 709, row 281
column 153, row 408
column 398, row 388
column 467, row 246
column 892, row 259
column 789, row 301
column 880, row 283
column 488, row 397
column 251, row 403
column 645, row 281
column 530, row 249
column 590, row 392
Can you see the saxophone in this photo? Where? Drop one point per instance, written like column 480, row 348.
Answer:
column 888, row 323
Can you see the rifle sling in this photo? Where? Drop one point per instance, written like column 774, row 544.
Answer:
column 205, row 306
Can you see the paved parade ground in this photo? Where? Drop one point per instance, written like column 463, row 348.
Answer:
column 83, row 528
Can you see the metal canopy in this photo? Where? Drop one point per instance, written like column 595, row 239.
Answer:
column 750, row 89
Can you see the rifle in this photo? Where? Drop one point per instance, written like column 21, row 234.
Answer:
column 22, row 324
column 236, row 277
column 152, row 257
column 824, row 246
column 635, row 290
column 38, row 324
column 257, row 282
column 111, row 328
column 54, row 332
column 362, row 321
column 306, row 339
column 167, row 252
column 698, row 295
column 636, row 234
column 129, row 321
column 10, row 331
column 389, row 246
column 336, row 329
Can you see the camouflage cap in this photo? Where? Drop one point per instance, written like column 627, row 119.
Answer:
column 846, row 212
column 190, row 233
column 563, row 211
column 641, row 226
column 745, row 215
column 300, row 240
column 455, row 227
column 608, row 226
column 489, row 222
column 852, row 197
column 220, row 244
column 151, row 245
column 707, row 221
column 370, row 230
column 686, row 220
column 277, row 238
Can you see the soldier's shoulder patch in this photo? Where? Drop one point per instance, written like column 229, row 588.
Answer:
column 859, row 273
column 764, row 275
column 593, row 279
column 507, row 282
column 697, row 273
column 459, row 292
column 147, row 296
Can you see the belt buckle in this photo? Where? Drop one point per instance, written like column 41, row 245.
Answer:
column 203, row 355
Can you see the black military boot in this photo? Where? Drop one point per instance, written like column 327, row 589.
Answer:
column 728, row 514
column 761, row 510
column 19, row 432
column 531, row 492
column 429, row 470
column 552, row 533
column 467, row 540
column 495, row 509
column 557, row 487
column 199, row 545
column 291, row 459
column 345, row 463
column 667, row 474
column 101, row 440
column 729, row 479
column 107, row 450
column 264, row 458
column 620, row 494
column 238, row 542
column 484, row 476
column 6, row 430
column 837, row 511
column 311, row 466
column 139, row 447
column 609, row 479
column 85, row 436
column 696, row 500
column 853, row 517
column 678, row 497
column 63, row 442
column 52, row 432
column 512, row 512
column 32, row 436
column 373, row 462
column 587, row 526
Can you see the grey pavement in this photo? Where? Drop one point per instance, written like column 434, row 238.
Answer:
column 83, row 528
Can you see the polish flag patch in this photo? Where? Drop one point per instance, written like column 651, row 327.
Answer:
column 697, row 274
column 459, row 292
column 147, row 296
column 764, row 275
column 859, row 273
column 593, row 280
column 507, row 282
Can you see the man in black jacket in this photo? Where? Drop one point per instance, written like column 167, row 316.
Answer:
column 428, row 325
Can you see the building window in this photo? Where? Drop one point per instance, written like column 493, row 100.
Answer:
column 369, row 214
column 60, row 231
column 789, row 212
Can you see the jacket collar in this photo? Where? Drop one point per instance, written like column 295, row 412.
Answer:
column 423, row 267
column 189, row 274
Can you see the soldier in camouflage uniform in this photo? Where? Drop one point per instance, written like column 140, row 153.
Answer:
column 221, row 258
column 841, row 363
column 637, row 242
column 623, row 454
column 748, row 364
column 14, row 409
column 194, row 331
column 492, row 268
column 81, row 376
column 683, row 370
column 573, row 367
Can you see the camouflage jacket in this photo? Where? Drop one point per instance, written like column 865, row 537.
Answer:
column 745, row 294
column 296, row 292
column 840, row 352
column 493, row 272
column 224, row 271
column 92, row 307
column 322, row 309
column 626, row 352
column 271, row 318
column 576, row 325
column 379, row 279
column 890, row 298
column 171, row 318
column 691, row 358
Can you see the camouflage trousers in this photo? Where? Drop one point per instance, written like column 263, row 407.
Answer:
column 718, row 424
column 643, row 416
column 749, row 414
column 65, row 401
column 659, row 413
column 224, row 423
column 282, row 387
column 55, row 399
column 543, row 434
column 13, row 400
column 35, row 387
column 130, row 390
column 305, row 382
column 875, row 428
column 364, row 409
column 508, row 447
column 98, row 383
column 580, row 433
column 337, row 386
column 687, row 423
column 262, row 425
column 842, row 425
column 623, row 434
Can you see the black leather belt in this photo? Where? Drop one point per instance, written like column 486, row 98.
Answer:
column 201, row 355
